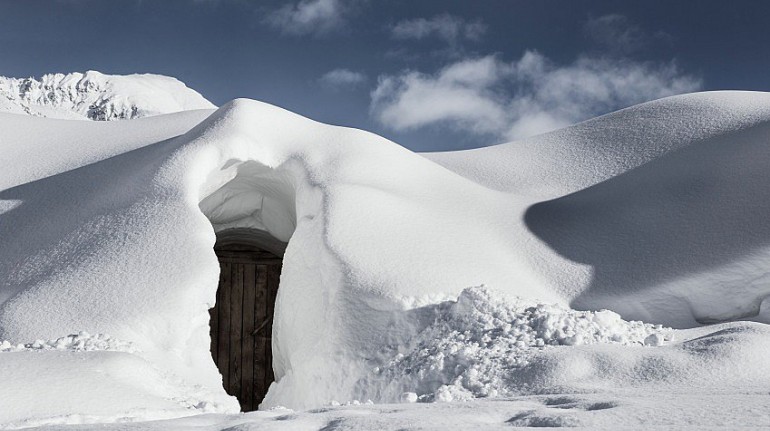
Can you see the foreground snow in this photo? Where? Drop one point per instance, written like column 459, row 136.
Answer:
column 617, row 410
column 655, row 213
column 482, row 361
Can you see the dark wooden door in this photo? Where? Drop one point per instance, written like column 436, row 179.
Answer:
column 242, row 321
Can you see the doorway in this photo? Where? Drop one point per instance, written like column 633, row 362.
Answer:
column 242, row 318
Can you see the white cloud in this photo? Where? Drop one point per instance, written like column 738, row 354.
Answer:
column 461, row 93
column 487, row 96
column 316, row 17
column 342, row 78
column 447, row 27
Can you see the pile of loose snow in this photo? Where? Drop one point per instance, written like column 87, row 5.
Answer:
column 82, row 341
column 474, row 346
column 96, row 96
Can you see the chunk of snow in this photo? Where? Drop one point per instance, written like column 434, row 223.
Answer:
column 473, row 346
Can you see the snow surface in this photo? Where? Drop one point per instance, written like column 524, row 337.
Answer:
column 655, row 212
column 96, row 96
column 663, row 411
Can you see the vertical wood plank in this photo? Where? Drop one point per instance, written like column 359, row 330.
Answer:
column 223, row 312
column 236, row 319
column 273, row 280
column 260, row 343
column 247, row 341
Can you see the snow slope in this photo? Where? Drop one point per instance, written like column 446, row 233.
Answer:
column 96, row 96
column 663, row 201
column 653, row 212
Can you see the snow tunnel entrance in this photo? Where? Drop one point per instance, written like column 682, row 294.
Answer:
column 252, row 208
column 242, row 318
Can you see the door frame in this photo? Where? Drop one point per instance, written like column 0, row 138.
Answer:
column 243, row 236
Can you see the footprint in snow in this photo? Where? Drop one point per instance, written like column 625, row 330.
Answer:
column 576, row 403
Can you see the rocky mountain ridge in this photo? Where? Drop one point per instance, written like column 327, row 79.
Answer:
column 96, row 96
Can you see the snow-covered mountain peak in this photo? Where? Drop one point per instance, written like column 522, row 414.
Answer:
column 95, row 96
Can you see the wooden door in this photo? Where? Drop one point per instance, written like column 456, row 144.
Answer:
column 242, row 321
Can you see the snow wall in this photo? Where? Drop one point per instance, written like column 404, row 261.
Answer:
column 109, row 228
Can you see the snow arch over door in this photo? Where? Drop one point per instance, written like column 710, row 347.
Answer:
column 248, row 194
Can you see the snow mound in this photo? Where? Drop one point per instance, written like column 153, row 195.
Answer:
column 564, row 161
column 474, row 345
column 96, row 96
column 82, row 341
column 654, row 211
column 718, row 360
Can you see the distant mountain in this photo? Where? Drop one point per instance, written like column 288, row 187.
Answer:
column 96, row 96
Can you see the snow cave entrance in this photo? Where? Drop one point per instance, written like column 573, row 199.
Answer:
column 242, row 318
column 252, row 209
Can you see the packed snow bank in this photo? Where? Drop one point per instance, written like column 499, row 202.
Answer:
column 110, row 230
column 87, row 231
column 693, row 230
column 661, row 202
column 96, row 96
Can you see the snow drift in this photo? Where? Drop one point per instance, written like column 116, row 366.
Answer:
column 653, row 212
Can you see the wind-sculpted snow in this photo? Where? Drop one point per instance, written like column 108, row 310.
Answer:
column 95, row 96
column 654, row 213
column 689, row 226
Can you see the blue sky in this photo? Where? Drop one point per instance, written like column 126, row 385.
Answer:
column 430, row 75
